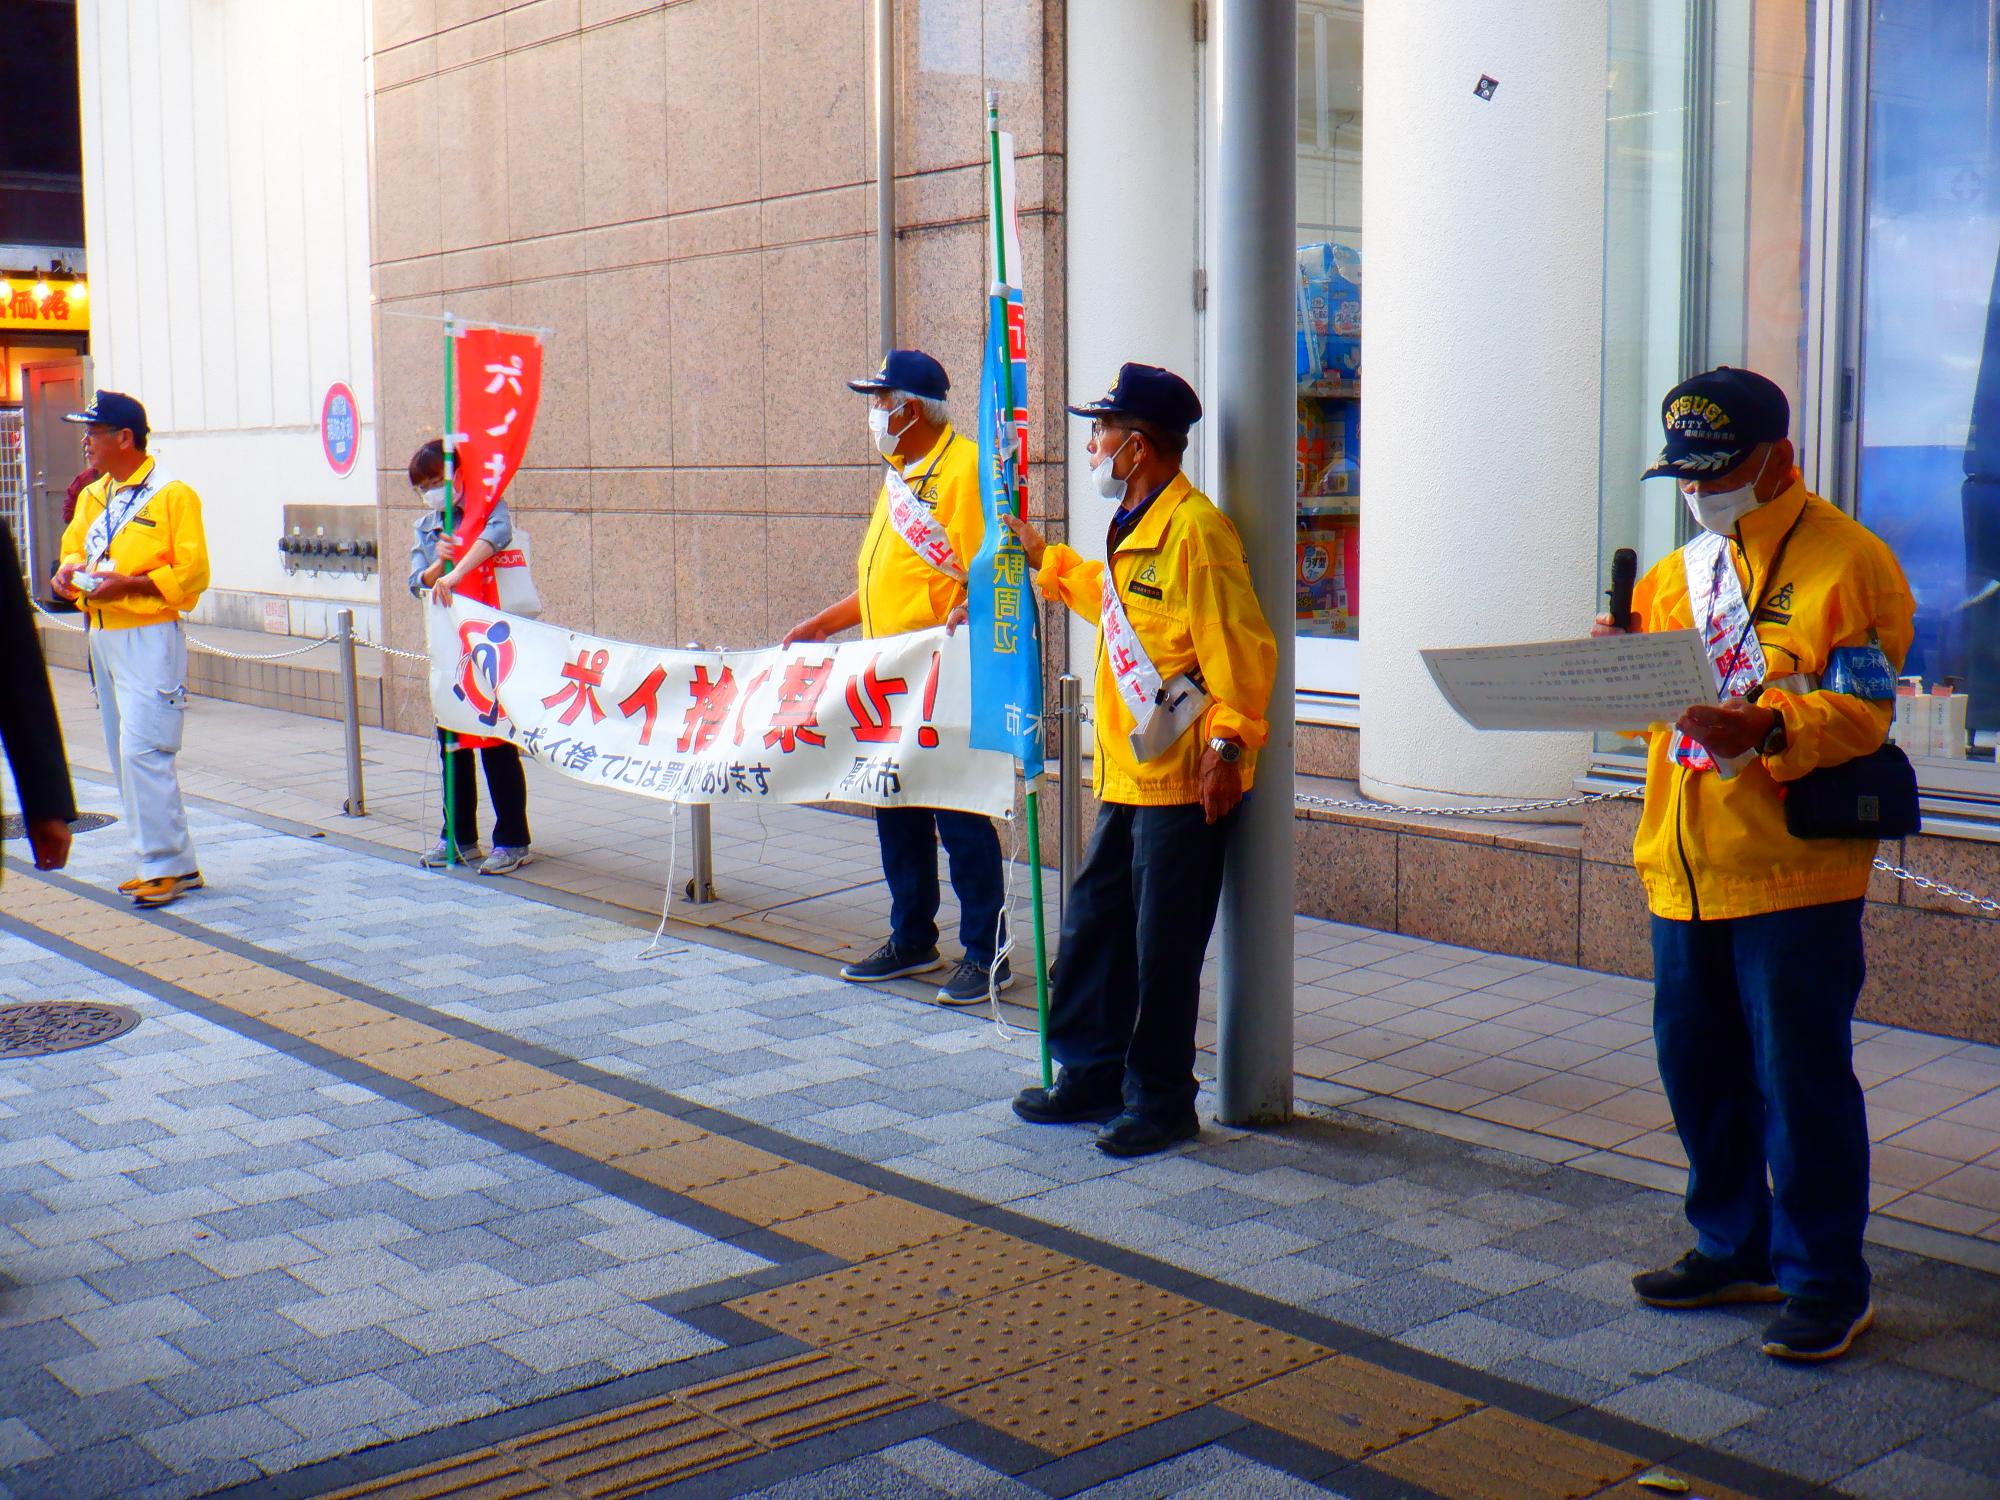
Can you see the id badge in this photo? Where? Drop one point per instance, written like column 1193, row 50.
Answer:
column 1180, row 708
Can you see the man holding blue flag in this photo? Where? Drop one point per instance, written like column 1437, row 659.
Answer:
column 1185, row 665
column 926, row 526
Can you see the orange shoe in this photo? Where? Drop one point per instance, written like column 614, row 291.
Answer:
column 164, row 890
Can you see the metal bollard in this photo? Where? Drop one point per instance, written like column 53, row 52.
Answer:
column 1069, row 795
column 356, row 805
column 701, row 886
column 701, row 833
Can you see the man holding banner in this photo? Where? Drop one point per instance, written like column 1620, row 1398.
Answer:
column 1185, row 664
column 911, row 572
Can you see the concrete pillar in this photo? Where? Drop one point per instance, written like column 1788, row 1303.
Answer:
column 1482, row 328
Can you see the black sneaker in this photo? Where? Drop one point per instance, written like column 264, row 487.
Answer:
column 1139, row 1135
column 1068, row 1103
column 969, row 985
column 1810, row 1329
column 891, row 962
column 1696, row 1281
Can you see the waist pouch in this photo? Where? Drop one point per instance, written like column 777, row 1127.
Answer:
column 1869, row 797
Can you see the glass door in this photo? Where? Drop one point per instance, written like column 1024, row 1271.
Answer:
column 1924, row 381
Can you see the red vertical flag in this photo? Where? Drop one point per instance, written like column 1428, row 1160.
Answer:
column 498, row 380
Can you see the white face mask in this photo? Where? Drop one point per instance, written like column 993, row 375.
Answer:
column 1100, row 474
column 1719, row 510
column 433, row 496
column 878, row 429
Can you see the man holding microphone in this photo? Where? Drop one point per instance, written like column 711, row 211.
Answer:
column 1757, row 949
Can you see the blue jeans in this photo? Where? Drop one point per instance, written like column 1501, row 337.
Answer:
column 1127, row 987
column 1752, row 1018
column 909, row 838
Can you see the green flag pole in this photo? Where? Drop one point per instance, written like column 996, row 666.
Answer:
column 447, row 740
column 1034, row 801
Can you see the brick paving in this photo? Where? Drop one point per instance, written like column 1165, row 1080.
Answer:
column 1541, row 1058
column 228, row 1257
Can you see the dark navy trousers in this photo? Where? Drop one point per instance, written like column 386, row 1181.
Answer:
column 1752, row 1018
column 909, row 838
column 1127, row 987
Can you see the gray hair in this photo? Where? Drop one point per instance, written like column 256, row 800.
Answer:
column 934, row 411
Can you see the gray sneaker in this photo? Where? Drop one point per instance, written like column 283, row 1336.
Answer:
column 504, row 860
column 440, row 855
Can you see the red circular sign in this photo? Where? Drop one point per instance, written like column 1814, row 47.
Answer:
column 340, row 429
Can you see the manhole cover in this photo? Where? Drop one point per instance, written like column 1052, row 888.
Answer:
column 38, row 1028
column 12, row 826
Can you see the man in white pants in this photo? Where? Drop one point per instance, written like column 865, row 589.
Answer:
column 134, row 555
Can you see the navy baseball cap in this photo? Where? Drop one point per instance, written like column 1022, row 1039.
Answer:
column 113, row 409
column 909, row 370
column 1147, row 393
column 1715, row 419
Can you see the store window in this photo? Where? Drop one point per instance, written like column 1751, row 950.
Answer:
column 1328, row 470
column 1927, row 387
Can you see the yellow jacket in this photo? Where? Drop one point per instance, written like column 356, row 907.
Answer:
column 162, row 540
column 1710, row 848
column 899, row 590
column 1186, row 587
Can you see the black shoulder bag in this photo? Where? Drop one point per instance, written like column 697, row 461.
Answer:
column 1873, row 796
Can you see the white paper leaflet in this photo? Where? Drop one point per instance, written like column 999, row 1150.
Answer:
column 1629, row 682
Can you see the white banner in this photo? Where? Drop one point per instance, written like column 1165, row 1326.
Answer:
column 882, row 722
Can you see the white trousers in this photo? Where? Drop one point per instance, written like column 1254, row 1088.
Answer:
column 141, row 679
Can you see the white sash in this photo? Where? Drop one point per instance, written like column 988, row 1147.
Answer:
column 1163, row 711
column 127, row 503
column 914, row 522
column 1721, row 614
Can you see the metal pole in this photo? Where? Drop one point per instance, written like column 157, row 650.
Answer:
column 701, row 830
column 1069, row 795
column 885, row 167
column 1256, row 398
column 356, row 805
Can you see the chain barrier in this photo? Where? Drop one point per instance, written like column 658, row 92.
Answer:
column 1939, row 888
column 1335, row 804
column 196, row 643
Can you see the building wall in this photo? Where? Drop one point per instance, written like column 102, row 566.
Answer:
column 226, row 210
column 681, row 194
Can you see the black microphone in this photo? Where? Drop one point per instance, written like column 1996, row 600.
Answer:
column 1624, row 572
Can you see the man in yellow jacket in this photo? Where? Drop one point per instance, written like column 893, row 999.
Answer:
column 1757, row 951
column 1185, row 662
column 134, row 555
column 926, row 528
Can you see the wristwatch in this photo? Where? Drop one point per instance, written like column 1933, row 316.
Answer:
column 1229, row 751
column 1773, row 742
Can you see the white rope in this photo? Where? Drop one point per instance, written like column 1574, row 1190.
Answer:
column 392, row 651
column 200, row 645
column 653, row 949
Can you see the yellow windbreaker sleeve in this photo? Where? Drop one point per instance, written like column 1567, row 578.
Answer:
column 1234, row 646
column 1067, row 577
column 1829, row 729
column 185, row 576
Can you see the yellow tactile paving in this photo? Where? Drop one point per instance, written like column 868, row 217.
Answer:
column 781, row 1194
column 1349, row 1407
column 631, row 1450
column 1071, row 1404
column 796, row 1399
column 875, row 1226
column 1495, row 1455
column 1208, row 1354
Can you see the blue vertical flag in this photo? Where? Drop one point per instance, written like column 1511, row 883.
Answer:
column 1002, row 617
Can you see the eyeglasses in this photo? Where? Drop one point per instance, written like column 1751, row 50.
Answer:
column 1101, row 429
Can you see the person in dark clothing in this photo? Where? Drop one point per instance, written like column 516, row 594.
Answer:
column 28, row 722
